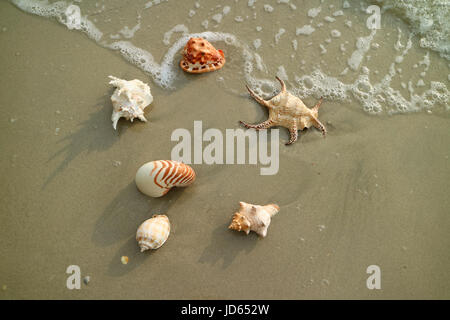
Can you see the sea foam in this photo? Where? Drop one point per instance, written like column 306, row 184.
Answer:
column 374, row 96
column 429, row 19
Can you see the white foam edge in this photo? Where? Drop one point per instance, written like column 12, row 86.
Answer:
column 58, row 10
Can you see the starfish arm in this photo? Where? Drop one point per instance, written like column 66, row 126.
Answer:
column 293, row 131
column 319, row 125
column 317, row 106
column 255, row 96
column 263, row 125
column 283, row 86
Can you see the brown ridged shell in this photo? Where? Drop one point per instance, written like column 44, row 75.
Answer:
column 200, row 56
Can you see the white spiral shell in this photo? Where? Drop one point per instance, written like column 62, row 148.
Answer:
column 156, row 178
column 153, row 232
column 129, row 99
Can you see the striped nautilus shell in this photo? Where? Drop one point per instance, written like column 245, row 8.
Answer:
column 153, row 232
column 156, row 178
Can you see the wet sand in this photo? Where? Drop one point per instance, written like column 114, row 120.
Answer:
column 373, row 192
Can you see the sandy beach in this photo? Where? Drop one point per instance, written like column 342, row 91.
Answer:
column 374, row 191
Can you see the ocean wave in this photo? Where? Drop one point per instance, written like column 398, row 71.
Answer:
column 374, row 96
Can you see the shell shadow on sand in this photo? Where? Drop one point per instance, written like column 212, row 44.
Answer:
column 93, row 135
column 136, row 258
column 121, row 219
column 128, row 209
column 226, row 245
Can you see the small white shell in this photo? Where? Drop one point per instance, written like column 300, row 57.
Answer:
column 156, row 178
column 153, row 232
column 129, row 99
column 252, row 217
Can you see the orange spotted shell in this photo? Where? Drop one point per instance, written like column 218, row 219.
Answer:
column 200, row 56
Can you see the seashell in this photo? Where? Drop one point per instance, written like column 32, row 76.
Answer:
column 200, row 56
column 153, row 232
column 129, row 99
column 253, row 218
column 156, row 178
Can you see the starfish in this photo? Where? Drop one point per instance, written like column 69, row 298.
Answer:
column 288, row 111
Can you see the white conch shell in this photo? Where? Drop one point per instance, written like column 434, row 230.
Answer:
column 152, row 233
column 156, row 178
column 129, row 99
column 253, row 218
